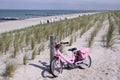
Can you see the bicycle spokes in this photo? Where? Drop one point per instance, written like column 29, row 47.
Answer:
column 56, row 67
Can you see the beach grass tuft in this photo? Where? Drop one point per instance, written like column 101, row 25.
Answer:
column 95, row 31
column 71, row 41
column 33, row 54
column 109, row 35
column 25, row 57
column 10, row 68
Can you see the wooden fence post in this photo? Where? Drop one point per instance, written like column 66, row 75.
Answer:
column 51, row 47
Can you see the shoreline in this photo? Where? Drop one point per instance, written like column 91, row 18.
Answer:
column 23, row 23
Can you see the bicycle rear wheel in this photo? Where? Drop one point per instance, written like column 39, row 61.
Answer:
column 56, row 67
column 86, row 63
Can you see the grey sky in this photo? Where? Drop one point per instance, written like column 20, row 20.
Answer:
column 59, row 4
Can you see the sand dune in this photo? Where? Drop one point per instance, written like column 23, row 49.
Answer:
column 105, row 62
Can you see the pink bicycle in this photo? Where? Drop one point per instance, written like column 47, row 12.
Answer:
column 80, row 58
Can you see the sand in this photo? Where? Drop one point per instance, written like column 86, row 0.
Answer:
column 105, row 62
column 19, row 24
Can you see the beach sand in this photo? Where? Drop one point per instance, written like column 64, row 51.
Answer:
column 19, row 24
column 105, row 62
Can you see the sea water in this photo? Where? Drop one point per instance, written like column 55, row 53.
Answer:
column 6, row 15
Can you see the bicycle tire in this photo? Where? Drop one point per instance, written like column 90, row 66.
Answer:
column 87, row 65
column 53, row 67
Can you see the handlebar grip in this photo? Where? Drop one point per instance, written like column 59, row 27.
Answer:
column 64, row 42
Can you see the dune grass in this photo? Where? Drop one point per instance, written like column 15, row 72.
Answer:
column 25, row 57
column 38, row 34
column 19, row 39
column 92, row 20
column 33, row 54
column 109, row 35
column 32, row 43
column 96, row 30
column 1, row 47
column 86, row 24
column 10, row 68
column 16, row 48
column 116, row 16
column 71, row 41
column 41, row 48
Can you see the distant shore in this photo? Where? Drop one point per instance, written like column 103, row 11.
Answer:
column 16, row 14
column 19, row 24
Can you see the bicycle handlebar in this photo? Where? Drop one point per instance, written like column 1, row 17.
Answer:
column 57, row 46
column 64, row 42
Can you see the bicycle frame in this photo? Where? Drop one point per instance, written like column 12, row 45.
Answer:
column 58, row 54
column 84, row 53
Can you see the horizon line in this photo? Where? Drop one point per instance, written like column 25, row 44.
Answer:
column 67, row 9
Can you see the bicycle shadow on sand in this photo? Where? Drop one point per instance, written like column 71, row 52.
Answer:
column 45, row 69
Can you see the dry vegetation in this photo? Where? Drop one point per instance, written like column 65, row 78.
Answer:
column 17, row 40
column 96, row 29
column 10, row 68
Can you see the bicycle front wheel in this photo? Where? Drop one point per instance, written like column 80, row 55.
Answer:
column 56, row 67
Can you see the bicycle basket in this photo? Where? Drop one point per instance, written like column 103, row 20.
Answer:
column 84, row 52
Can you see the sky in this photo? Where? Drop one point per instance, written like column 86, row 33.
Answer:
column 61, row 4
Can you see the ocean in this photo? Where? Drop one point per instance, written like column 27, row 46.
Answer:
column 6, row 15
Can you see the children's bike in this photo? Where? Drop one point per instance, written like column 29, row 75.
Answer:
column 80, row 58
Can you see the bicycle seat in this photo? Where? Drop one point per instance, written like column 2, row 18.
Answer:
column 72, row 49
